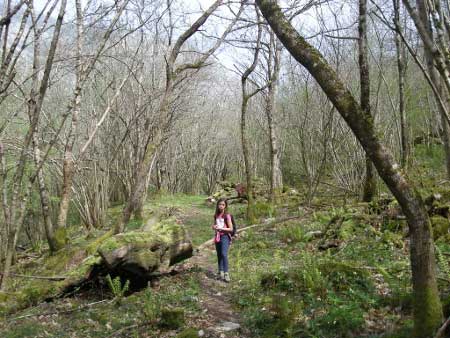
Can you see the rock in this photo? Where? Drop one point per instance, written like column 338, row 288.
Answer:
column 228, row 326
column 222, row 328
column 312, row 234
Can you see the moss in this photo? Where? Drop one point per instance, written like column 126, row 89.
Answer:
column 82, row 270
column 172, row 318
column 3, row 297
column 92, row 247
column 61, row 238
column 35, row 293
column 144, row 258
column 427, row 312
column 347, row 230
column 138, row 239
column 188, row 333
column 440, row 226
column 165, row 231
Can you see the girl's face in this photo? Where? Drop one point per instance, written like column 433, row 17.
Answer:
column 221, row 206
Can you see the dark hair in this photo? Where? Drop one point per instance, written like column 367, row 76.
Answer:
column 217, row 213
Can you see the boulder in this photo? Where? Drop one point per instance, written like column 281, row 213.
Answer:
column 144, row 254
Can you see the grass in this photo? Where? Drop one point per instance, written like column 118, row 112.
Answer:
column 288, row 288
column 283, row 285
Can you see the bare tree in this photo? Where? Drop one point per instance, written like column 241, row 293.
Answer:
column 175, row 74
column 34, row 107
column 273, row 72
column 370, row 184
column 401, row 67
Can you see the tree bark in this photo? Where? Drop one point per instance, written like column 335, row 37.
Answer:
column 246, row 96
column 370, row 183
column 276, row 182
column 401, row 67
column 427, row 305
column 53, row 244
column 247, row 161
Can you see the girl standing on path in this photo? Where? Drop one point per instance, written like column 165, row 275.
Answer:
column 223, row 227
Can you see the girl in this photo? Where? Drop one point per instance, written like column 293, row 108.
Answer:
column 223, row 227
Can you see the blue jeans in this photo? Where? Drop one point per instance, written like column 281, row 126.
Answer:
column 222, row 252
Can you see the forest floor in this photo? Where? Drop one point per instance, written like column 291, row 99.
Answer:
column 329, row 271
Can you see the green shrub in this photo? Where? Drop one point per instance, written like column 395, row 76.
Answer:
column 264, row 209
column 134, row 224
column 152, row 306
column 344, row 276
column 172, row 318
column 342, row 320
column 306, row 278
column 292, row 234
column 25, row 330
column 285, row 314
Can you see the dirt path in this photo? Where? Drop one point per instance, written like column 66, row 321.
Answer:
column 220, row 319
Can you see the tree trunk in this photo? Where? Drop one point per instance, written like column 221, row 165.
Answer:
column 427, row 305
column 69, row 163
column 370, row 184
column 401, row 67
column 13, row 235
column 247, row 161
column 53, row 244
column 137, row 192
column 276, row 182
column 244, row 139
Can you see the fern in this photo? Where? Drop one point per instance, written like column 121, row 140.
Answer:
column 152, row 306
column 117, row 289
column 442, row 263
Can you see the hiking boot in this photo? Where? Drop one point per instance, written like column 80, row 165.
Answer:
column 221, row 275
column 226, row 277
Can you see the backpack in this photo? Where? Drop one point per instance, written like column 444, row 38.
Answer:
column 234, row 226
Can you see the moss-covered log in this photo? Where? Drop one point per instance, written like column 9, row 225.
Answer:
column 142, row 253
column 135, row 255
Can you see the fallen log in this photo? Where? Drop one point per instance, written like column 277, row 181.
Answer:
column 267, row 222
